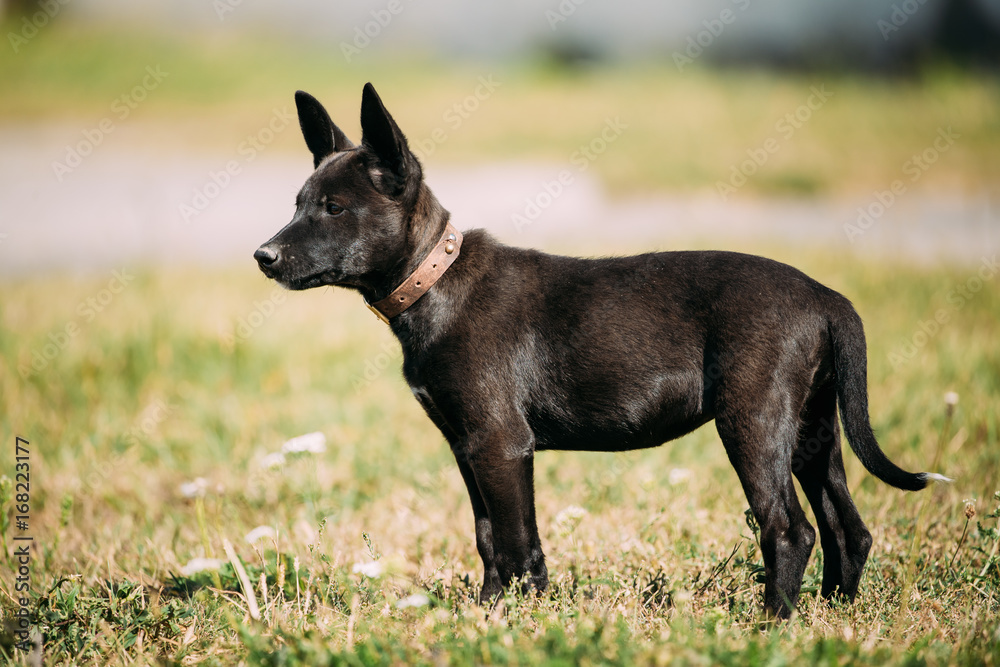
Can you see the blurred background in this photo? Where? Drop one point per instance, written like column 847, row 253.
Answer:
column 706, row 123
column 148, row 148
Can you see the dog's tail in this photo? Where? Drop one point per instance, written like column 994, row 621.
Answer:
column 850, row 360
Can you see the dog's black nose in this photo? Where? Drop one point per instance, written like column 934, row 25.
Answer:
column 265, row 256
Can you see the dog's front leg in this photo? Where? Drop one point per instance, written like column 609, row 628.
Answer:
column 484, row 533
column 500, row 473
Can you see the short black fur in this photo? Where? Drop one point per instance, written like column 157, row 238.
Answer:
column 516, row 350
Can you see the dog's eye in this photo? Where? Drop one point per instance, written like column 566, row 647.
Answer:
column 333, row 209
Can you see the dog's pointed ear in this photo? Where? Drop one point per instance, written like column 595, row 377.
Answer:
column 322, row 137
column 381, row 135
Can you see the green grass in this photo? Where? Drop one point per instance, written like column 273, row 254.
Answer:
column 186, row 375
column 160, row 389
column 685, row 130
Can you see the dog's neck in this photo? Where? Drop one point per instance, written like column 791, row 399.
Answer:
column 423, row 278
column 426, row 223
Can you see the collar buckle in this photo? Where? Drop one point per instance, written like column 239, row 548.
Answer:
column 378, row 313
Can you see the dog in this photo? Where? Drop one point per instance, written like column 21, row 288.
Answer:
column 511, row 351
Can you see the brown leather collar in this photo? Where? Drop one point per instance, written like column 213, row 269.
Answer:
column 433, row 267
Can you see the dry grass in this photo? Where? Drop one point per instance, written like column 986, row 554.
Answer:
column 187, row 376
column 660, row 566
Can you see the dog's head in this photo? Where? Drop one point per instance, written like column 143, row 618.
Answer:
column 353, row 215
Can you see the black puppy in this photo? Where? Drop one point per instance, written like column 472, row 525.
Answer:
column 510, row 351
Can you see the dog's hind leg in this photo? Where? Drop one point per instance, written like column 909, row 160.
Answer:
column 819, row 466
column 759, row 434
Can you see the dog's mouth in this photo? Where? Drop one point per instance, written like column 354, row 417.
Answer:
column 292, row 272
column 305, row 282
column 268, row 271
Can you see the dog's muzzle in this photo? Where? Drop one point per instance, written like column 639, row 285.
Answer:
column 266, row 258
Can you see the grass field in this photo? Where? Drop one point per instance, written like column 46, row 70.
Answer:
column 155, row 402
column 193, row 374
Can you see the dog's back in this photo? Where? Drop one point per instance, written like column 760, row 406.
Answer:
column 619, row 353
column 510, row 351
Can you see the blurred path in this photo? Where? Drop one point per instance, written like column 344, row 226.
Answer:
column 123, row 206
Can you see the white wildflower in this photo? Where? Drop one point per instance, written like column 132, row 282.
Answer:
column 194, row 489
column 259, row 533
column 415, row 600
column 678, row 476
column 568, row 519
column 312, row 443
column 373, row 569
column 272, row 461
column 196, row 565
column 951, row 398
column 571, row 513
